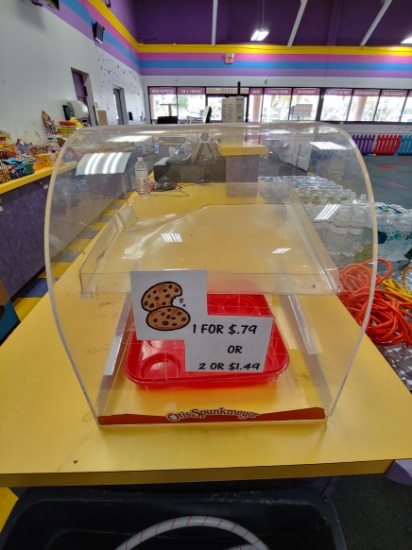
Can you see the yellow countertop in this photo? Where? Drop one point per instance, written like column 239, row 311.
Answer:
column 48, row 435
column 235, row 149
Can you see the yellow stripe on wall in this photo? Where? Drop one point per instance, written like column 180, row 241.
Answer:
column 112, row 19
column 395, row 51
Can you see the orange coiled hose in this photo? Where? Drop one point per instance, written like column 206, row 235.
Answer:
column 390, row 320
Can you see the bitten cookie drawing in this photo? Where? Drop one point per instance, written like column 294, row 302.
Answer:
column 163, row 315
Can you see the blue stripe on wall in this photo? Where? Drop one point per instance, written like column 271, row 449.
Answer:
column 110, row 39
column 84, row 14
column 77, row 8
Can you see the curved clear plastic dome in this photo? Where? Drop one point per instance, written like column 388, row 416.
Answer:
column 282, row 213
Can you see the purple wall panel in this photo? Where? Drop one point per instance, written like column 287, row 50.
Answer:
column 177, row 21
column 126, row 12
column 10, row 273
column 25, row 244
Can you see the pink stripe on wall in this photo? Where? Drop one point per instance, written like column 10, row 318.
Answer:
column 230, row 72
column 358, row 59
column 369, row 73
column 170, row 56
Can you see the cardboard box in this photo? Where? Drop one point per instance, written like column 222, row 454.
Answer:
column 42, row 160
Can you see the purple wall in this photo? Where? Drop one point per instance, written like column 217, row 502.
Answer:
column 324, row 22
column 126, row 13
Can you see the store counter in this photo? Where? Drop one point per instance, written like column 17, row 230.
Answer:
column 25, row 180
column 23, row 206
column 242, row 160
column 38, row 175
column 48, row 435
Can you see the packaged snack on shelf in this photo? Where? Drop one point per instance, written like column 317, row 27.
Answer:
column 4, row 173
column 42, row 160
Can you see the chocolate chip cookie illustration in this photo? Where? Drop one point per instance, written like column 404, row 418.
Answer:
column 160, row 295
column 168, row 318
column 163, row 315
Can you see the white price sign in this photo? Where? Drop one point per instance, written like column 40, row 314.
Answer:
column 229, row 344
column 172, row 305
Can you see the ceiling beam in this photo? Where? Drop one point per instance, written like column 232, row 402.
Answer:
column 214, row 22
column 334, row 22
column 386, row 4
column 297, row 22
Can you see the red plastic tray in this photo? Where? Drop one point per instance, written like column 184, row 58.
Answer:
column 161, row 363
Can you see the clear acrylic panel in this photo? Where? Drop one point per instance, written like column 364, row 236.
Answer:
column 276, row 218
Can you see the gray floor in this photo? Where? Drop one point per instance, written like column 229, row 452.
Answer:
column 376, row 513
column 391, row 179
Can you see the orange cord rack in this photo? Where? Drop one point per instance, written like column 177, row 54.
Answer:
column 390, row 321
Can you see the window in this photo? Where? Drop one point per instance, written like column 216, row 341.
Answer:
column 276, row 104
column 407, row 110
column 390, row 105
column 191, row 102
column 255, row 104
column 336, row 104
column 162, row 102
column 363, row 105
column 226, row 91
column 304, row 104
column 215, row 96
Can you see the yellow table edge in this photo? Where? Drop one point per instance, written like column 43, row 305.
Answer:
column 192, row 475
column 48, row 435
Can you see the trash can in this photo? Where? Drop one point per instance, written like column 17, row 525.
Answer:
column 103, row 518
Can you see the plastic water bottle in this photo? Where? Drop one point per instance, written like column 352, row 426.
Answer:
column 187, row 148
column 400, row 245
column 315, row 216
column 408, row 240
column 330, row 207
column 387, row 226
column 338, row 231
column 353, row 241
column 142, row 177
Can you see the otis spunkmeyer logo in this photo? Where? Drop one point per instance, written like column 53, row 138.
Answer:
column 202, row 414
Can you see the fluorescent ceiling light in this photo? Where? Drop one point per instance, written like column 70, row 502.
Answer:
column 408, row 40
column 259, row 35
column 327, row 212
column 280, row 250
column 172, row 237
column 132, row 139
column 102, row 163
column 327, row 145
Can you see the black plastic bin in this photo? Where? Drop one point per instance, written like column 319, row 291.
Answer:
column 102, row 518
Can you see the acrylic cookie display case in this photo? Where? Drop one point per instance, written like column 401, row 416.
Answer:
column 214, row 291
